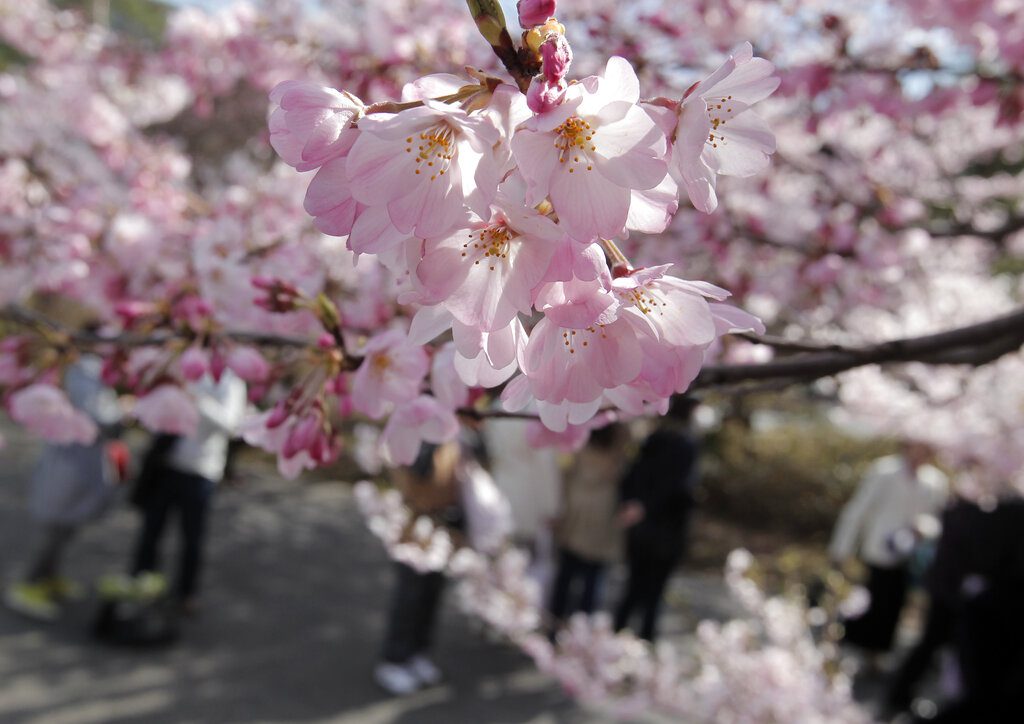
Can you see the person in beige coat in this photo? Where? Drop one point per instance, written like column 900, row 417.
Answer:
column 586, row 531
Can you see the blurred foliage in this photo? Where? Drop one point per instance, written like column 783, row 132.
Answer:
column 790, row 477
column 145, row 19
column 10, row 56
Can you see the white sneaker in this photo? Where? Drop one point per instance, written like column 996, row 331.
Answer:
column 396, row 679
column 424, row 670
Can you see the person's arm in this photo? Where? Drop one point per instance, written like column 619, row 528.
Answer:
column 851, row 521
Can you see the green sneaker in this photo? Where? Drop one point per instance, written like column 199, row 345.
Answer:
column 64, row 589
column 115, row 586
column 148, row 586
column 33, row 600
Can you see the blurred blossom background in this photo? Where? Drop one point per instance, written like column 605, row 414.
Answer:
column 136, row 166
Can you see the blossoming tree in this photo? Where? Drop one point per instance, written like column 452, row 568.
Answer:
column 422, row 223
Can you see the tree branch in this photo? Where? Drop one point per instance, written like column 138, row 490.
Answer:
column 976, row 344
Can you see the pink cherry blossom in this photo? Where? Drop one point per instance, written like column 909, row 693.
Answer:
column 676, row 310
column 425, row 165
column 169, row 409
column 485, row 275
column 312, row 124
column 329, row 199
column 391, row 372
column 591, row 152
column 423, row 419
column 45, row 410
column 716, row 133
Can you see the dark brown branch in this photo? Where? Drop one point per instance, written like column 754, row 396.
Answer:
column 83, row 338
column 976, row 344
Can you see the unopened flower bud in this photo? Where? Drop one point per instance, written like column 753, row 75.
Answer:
column 193, row 363
column 557, row 56
column 543, row 96
column 277, row 416
column 302, row 435
column 534, row 12
column 248, row 364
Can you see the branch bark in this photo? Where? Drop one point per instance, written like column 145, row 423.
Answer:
column 976, row 344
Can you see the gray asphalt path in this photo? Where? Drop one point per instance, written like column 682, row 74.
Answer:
column 293, row 612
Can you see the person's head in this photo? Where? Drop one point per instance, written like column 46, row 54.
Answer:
column 607, row 437
column 436, row 463
column 916, row 453
column 681, row 409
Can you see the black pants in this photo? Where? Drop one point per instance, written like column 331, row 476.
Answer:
column 190, row 495
column 648, row 575
column 876, row 629
column 574, row 569
column 414, row 606
column 938, row 631
column 46, row 563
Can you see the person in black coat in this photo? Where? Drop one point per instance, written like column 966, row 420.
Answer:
column 977, row 595
column 657, row 499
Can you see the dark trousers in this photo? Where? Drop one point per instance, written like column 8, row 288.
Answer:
column 574, row 569
column 190, row 495
column 46, row 563
column 414, row 605
column 647, row 578
column 938, row 631
column 876, row 629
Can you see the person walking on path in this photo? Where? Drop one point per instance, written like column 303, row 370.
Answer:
column 184, row 481
column 71, row 485
column 449, row 485
column 586, row 531
column 656, row 505
column 895, row 505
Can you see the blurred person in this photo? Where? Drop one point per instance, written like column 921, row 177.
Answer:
column 182, row 475
column 71, row 485
column 586, row 530
column 448, row 484
column 656, row 505
column 977, row 596
column 894, row 508
column 530, row 479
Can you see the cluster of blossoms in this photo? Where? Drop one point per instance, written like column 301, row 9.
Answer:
column 500, row 214
column 159, row 195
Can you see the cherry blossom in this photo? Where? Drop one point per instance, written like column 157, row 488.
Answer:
column 169, row 409
column 590, row 151
column 46, row 411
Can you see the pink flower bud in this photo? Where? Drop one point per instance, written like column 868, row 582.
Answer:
column 302, row 436
column 326, row 341
column 543, row 96
column 217, row 365
column 277, row 416
column 557, row 56
column 535, row 12
column 193, row 363
column 248, row 364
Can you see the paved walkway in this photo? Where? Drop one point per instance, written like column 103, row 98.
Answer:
column 292, row 619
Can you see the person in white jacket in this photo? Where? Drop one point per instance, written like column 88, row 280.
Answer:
column 895, row 506
column 186, row 478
